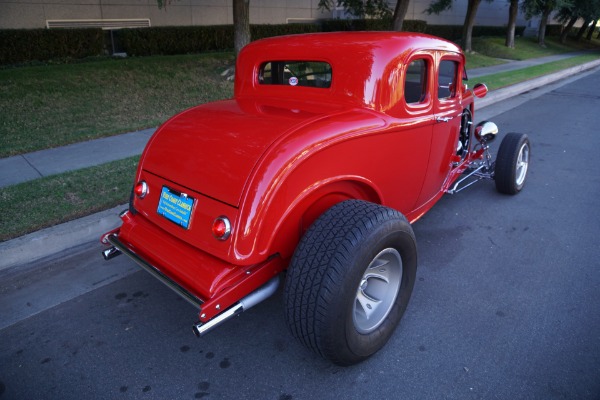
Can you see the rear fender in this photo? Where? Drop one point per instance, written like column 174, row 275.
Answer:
column 294, row 174
column 311, row 205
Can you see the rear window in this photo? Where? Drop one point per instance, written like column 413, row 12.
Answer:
column 295, row 73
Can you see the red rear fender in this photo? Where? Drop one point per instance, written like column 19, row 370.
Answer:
column 311, row 205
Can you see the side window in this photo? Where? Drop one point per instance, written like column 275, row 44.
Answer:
column 415, row 82
column 447, row 79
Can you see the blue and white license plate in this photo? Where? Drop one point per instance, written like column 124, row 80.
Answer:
column 175, row 207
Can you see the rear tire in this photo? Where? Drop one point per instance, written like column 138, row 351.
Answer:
column 512, row 163
column 350, row 281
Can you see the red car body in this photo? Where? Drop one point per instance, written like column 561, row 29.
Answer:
column 277, row 156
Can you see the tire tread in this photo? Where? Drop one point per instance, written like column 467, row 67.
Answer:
column 318, row 264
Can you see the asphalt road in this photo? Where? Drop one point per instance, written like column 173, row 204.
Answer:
column 506, row 306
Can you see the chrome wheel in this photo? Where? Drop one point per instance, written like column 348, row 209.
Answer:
column 512, row 163
column 377, row 291
column 522, row 164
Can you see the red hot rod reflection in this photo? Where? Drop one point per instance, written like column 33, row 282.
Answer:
column 331, row 147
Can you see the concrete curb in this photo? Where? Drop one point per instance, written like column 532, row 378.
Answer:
column 49, row 241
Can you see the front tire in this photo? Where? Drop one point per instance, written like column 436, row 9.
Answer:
column 350, row 281
column 512, row 163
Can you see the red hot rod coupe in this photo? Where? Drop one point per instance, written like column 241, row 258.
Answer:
column 332, row 146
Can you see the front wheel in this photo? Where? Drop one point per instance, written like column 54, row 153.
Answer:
column 512, row 163
column 350, row 280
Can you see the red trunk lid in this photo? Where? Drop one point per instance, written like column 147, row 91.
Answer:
column 213, row 148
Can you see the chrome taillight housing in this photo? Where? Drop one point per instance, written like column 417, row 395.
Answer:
column 141, row 189
column 221, row 228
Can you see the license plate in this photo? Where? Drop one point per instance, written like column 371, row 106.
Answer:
column 176, row 207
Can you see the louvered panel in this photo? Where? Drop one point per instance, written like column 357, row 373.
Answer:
column 98, row 23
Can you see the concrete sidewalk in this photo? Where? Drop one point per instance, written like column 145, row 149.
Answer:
column 26, row 167
column 47, row 242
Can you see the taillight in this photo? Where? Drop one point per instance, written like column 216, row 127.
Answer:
column 141, row 189
column 221, row 228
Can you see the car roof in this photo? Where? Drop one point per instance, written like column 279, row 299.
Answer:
column 374, row 41
column 359, row 60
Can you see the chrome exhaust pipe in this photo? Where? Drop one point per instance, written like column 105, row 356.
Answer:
column 258, row 296
column 111, row 253
column 201, row 329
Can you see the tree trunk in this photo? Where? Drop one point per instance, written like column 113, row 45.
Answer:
column 581, row 31
column 399, row 14
column 543, row 23
column 592, row 29
column 467, row 32
column 241, row 24
column 567, row 29
column 513, row 11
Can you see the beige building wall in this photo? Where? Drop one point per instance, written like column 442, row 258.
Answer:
column 16, row 14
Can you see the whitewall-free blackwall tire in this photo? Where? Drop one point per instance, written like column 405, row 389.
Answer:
column 350, row 281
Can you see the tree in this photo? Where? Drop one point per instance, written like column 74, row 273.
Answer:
column 591, row 31
column 591, row 10
column 513, row 11
column 571, row 12
column 241, row 22
column 359, row 8
column 546, row 10
column 542, row 8
column 399, row 14
column 584, row 26
column 371, row 8
column 567, row 29
column 241, row 25
column 438, row 6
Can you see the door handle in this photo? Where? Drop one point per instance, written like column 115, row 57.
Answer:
column 443, row 119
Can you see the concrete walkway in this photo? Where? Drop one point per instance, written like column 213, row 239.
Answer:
column 43, row 163
column 26, row 167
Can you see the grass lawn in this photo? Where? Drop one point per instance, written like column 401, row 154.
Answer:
column 476, row 60
column 525, row 48
column 54, row 105
column 48, row 201
column 497, row 81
